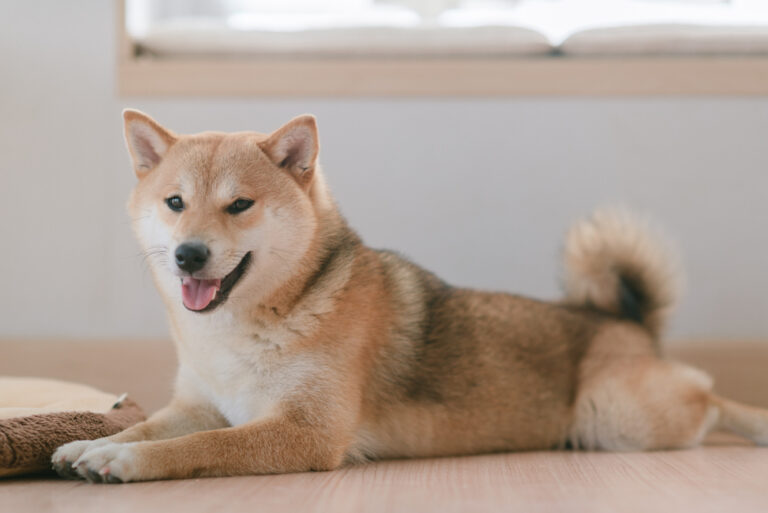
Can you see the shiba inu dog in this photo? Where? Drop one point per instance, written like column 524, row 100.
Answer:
column 302, row 349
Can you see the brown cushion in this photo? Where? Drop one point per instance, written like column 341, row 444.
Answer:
column 27, row 442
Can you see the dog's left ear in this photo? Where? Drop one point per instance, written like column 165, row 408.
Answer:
column 294, row 147
column 147, row 141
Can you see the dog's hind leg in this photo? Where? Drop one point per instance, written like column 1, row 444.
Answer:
column 642, row 403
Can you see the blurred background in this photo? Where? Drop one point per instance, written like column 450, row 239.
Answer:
column 467, row 135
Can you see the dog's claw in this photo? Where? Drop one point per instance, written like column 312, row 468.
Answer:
column 109, row 478
column 94, row 477
column 65, row 470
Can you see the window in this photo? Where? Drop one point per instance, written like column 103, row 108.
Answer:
column 463, row 41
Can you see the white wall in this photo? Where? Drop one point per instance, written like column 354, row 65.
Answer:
column 478, row 190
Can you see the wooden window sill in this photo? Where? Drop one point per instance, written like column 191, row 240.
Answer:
column 441, row 77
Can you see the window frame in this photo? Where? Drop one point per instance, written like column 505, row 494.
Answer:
column 551, row 75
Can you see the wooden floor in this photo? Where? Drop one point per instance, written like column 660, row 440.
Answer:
column 727, row 475
column 715, row 478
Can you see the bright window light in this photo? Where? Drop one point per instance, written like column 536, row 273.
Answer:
column 429, row 22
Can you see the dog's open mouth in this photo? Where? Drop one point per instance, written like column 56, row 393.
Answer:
column 205, row 295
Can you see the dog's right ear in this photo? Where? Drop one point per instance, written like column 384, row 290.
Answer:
column 147, row 141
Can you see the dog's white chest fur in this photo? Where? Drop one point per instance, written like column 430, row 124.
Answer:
column 243, row 372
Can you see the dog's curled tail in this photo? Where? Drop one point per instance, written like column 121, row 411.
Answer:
column 616, row 264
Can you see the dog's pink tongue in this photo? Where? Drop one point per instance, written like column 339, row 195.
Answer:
column 198, row 294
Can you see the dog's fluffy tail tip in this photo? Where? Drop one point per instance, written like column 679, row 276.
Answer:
column 614, row 262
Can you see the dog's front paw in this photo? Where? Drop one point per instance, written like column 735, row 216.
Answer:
column 67, row 454
column 110, row 463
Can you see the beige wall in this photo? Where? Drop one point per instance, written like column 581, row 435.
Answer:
column 478, row 190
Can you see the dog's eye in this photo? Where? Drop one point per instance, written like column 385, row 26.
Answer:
column 175, row 203
column 239, row 205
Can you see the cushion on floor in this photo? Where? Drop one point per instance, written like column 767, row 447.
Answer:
column 39, row 415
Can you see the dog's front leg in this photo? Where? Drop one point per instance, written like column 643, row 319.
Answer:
column 265, row 447
column 179, row 418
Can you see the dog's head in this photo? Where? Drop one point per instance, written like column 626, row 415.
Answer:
column 216, row 211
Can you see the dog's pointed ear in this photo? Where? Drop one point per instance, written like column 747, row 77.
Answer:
column 147, row 141
column 294, row 147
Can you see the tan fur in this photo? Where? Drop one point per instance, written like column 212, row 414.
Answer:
column 326, row 351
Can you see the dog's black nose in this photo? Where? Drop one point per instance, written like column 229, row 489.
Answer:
column 191, row 256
